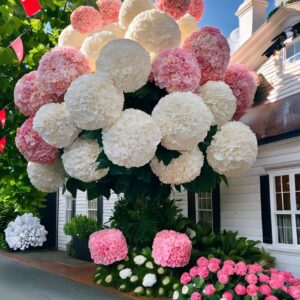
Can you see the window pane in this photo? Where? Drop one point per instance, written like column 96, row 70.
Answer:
column 297, row 182
column 209, row 203
column 298, row 228
column 201, row 203
column 297, row 47
column 279, row 201
column 92, row 214
column 286, row 201
column 289, row 51
column 278, row 183
column 284, row 225
column 286, row 183
column 205, row 218
column 298, row 200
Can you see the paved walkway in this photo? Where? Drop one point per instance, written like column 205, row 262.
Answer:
column 22, row 282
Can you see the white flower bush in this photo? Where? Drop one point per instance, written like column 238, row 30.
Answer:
column 126, row 62
column 219, row 97
column 181, row 170
column 139, row 260
column 132, row 141
column 93, row 102
column 24, row 232
column 184, row 120
column 149, row 280
column 233, row 149
column 132, row 8
column 79, row 160
column 154, row 30
column 126, row 273
column 187, row 25
column 69, row 37
column 46, row 178
column 93, row 45
column 54, row 125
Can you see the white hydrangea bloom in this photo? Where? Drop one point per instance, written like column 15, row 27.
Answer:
column 184, row 120
column 134, row 278
column 131, row 8
column 185, row 289
column 93, row 45
column 139, row 260
column 181, row 170
column 126, row 273
column 79, row 160
column 149, row 265
column 24, row 232
column 187, row 25
column 132, row 141
column 108, row 278
column 161, row 270
column 93, row 102
column 219, row 97
column 149, row 280
column 54, row 125
column 126, row 62
column 233, row 149
column 115, row 29
column 154, row 30
column 175, row 295
column 46, row 178
column 166, row 280
column 69, row 37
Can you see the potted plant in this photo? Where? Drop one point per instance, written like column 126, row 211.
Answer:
column 80, row 228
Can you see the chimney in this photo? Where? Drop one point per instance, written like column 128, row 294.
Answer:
column 251, row 14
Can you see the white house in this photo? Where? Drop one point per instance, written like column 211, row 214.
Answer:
column 264, row 204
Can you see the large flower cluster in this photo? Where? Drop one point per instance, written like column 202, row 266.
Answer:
column 176, row 70
column 69, row 37
column 33, row 147
column 109, row 10
column 187, row 25
column 24, row 232
column 108, row 246
column 171, row 249
column 176, row 9
column 233, row 149
column 196, row 9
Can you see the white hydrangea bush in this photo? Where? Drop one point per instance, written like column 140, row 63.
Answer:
column 24, row 232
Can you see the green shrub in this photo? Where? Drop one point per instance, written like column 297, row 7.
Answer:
column 81, row 227
column 2, row 241
column 7, row 214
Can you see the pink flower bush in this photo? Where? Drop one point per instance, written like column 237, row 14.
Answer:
column 243, row 86
column 109, row 11
column 196, row 9
column 86, row 19
column 59, row 67
column 108, row 246
column 29, row 95
column 171, row 249
column 212, row 52
column 33, row 147
column 176, row 70
column 175, row 8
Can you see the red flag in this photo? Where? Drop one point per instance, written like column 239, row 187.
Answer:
column 31, row 7
column 2, row 144
column 17, row 45
column 2, row 117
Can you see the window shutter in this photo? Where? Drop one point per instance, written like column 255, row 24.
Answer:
column 266, row 209
column 216, row 209
column 192, row 206
column 100, row 210
column 73, row 213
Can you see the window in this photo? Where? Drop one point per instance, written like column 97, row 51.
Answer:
column 292, row 52
column 69, row 207
column 204, row 209
column 93, row 209
column 286, row 208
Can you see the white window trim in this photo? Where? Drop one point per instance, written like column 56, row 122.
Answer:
column 273, row 174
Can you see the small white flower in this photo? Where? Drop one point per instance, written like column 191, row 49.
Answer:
column 122, row 287
column 108, row 279
column 161, row 271
column 134, row 278
column 175, row 286
column 120, row 267
column 138, row 290
column 139, row 260
column 161, row 291
column 126, row 273
column 126, row 258
column 149, row 280
column 149, row 265
column 176, row 295
column 166, row 280
column 191, row 233
column 185, row 290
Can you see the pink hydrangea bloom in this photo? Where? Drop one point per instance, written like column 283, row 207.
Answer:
column 108, row 246
column 176, row 70
column 213, row 267
column 185, row 278
column 209, row 289
column 265, row 290
column 212, row 51
column 240, row 289
column 223, row 278
column 255, row 268
column 271, row 298
column 29, row 95
column 59, row 67
column 240, row 268
column 251, row 278
column 227, row 296
column 264, row 278
column 33, row 147
column 171, row 249
column 252, row 290
column 86, row 19
column 175, row 8
column 243, row 86
column 229, row 262
column 109, row 11
column 196, row 296
column 202, row 262
column 203, row 272
column 228, row 269
column 215, row 260
column 194, row 271
column 196, row 9
column 275, row 284
column 294, row 291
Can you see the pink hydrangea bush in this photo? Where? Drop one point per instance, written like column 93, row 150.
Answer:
column 29, row 95
column 243, row 85
column 212, row 51
column 59, row 67
column 108, row 246
column 196, row 9
column 33, row 147
column 176, row 70
column 171, row 249
column 109, row 11
column 229, row 280
column 174, row 8
column 86, row 19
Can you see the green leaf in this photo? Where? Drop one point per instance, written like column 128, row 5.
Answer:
column 103, row 161
column 166, row 155
column 219, row 286
column 198, row 282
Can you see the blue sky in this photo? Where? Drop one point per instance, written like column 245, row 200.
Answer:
column 221, row 14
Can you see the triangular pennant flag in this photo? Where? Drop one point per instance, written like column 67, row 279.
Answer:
column 17, row 45
column 2, row 144
column 2, row 117
column 31, row 7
